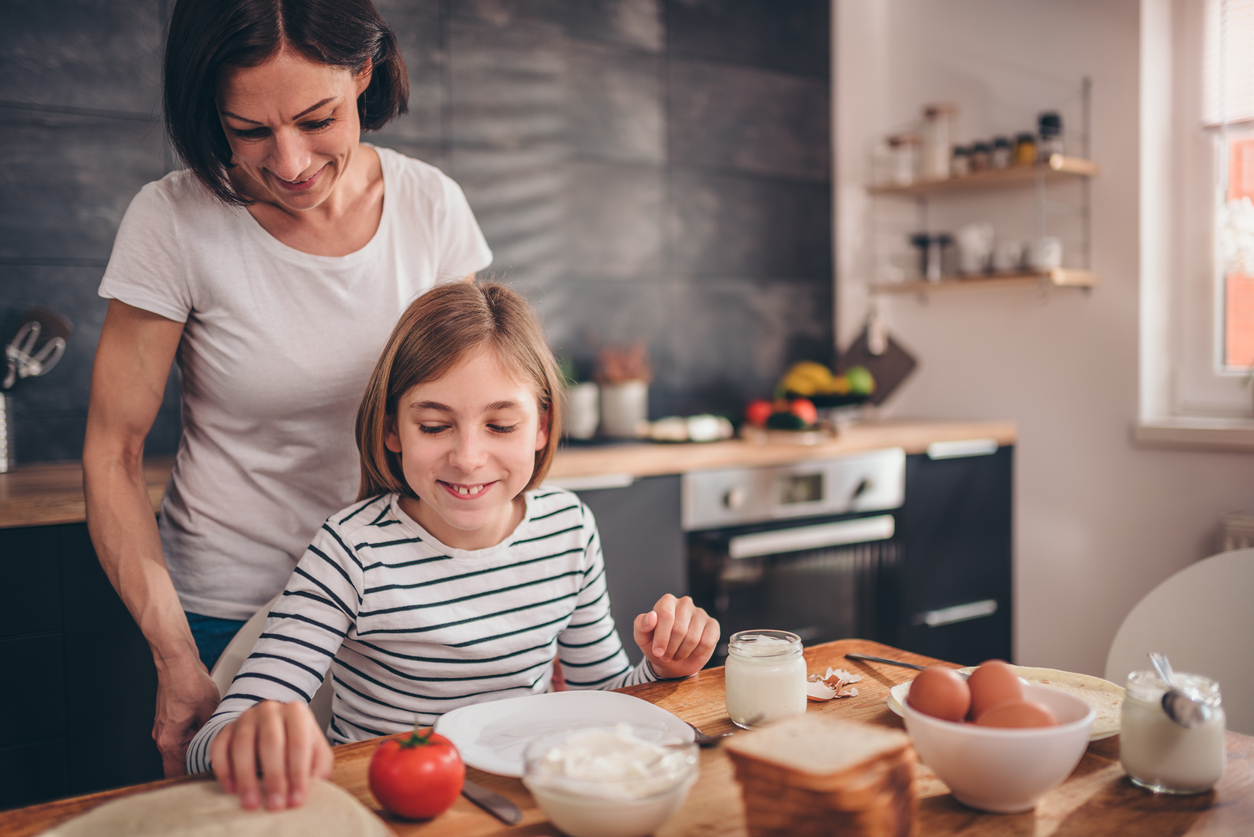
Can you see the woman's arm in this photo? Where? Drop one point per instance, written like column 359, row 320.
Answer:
column 132, row 363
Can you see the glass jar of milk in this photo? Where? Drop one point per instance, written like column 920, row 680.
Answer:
column 1160, row 755
column 765, row 677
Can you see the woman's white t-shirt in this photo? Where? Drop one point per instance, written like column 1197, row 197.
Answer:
column 276, row 350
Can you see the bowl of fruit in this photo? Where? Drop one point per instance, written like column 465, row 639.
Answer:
column 810, row 401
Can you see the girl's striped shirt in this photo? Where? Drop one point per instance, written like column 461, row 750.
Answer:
column 410, row 627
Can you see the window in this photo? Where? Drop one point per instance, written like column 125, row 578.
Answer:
column 1197, row 204
column 1228, row 113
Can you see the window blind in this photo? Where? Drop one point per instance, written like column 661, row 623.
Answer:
column 1228, row 62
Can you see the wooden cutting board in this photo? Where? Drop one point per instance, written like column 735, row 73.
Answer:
column 889, row 368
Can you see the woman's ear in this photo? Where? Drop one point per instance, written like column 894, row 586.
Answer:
column 542, row 430
column 363, row 76
column 391, row 439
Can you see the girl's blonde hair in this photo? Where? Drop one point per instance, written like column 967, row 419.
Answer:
column 433, row 335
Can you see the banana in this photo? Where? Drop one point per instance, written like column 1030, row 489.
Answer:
column 806, row 378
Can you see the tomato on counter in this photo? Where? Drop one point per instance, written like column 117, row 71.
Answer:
column 417, row 777
column 758, row 411
column 804, row 409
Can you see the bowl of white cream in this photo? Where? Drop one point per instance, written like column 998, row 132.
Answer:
column 610, row 781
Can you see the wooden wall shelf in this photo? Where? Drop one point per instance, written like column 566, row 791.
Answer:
column 1057, row 167
column 1053, row 278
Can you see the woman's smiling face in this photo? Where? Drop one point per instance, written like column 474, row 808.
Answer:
column 468, row 443
column 293, row 127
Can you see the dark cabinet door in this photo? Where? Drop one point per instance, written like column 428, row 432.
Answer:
column 643, row 546
column 80, row 683
column 957, row 556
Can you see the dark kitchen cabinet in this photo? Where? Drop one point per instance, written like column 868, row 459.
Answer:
column 80, row 687
column 643, row 546
column 956, row 579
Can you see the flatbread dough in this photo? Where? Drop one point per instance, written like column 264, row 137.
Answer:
column 202, row 809
column 1105, row 697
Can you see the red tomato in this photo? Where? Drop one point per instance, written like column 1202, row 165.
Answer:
column 757, row 412
column 417, row 776
column 803, row 408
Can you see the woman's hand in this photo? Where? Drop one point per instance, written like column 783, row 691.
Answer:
column 677, row 637
column 185, row 700
column 279, row 741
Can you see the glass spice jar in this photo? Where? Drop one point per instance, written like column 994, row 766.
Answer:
column 980, row 156
column 765, row 677
column 1002, row 154
column 1161, row 755
column 1025, row 149
column 1049, row 127
column 937, row 129
column 960, row 164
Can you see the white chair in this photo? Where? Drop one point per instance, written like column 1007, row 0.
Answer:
column 1202, row 618
column 238, row 649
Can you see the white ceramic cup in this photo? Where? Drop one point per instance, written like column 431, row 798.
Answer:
column 1008, row 256
column 583, row 412
column 1046, row 254
column 975, row 248
column 624, row 407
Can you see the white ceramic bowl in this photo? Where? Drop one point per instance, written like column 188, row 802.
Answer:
column 613, row 808
column 1004, row 770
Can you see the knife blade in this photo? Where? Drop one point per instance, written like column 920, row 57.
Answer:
column 853, row 655
column 492, row 802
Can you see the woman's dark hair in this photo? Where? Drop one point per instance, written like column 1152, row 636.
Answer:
column 208, row 35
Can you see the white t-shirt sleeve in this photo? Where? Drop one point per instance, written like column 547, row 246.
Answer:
column 463, row 249
column 146, row 269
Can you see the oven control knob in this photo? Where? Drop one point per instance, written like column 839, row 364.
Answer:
column 734, row 499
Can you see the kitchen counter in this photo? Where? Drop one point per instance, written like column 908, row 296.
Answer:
column 45, row 494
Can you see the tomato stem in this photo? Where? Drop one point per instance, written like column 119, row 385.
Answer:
column 416, row 738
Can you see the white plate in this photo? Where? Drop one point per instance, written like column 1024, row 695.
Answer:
column 491, row 736
column 1105, row 697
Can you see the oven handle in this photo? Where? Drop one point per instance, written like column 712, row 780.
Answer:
column 957, row 613
column 862, row 530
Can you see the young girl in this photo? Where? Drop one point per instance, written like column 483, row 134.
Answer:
column 453, row 580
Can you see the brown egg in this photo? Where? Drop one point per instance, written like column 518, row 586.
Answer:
column 993, row 683
column 941, row 693
column 1019, row 713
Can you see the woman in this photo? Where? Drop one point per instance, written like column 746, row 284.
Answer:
column 272, row 270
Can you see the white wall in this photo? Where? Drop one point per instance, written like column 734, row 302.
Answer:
column 1098, row 522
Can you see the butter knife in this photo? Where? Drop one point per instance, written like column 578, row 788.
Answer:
column 492, row 802
column 868, row 658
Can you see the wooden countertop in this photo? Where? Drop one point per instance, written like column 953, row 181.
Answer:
column 41, row 495
column 1097, row 799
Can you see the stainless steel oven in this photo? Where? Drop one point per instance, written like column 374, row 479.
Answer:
column 810, row 547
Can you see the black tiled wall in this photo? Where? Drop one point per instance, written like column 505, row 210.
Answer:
column 653, row 170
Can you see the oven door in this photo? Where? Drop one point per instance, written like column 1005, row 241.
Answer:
column 821, row 578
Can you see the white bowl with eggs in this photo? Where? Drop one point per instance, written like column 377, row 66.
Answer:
column 614, row 781
column 1004, row 770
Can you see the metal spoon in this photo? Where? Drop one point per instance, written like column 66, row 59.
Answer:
column 1180, row 706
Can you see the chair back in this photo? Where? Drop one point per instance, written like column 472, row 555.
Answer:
column 238, row 649
column 1202, row 618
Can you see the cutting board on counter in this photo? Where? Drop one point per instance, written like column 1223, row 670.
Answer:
column 890, row 368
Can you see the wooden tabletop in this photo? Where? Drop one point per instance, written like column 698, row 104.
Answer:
column 52, row 493
column 1097, row 799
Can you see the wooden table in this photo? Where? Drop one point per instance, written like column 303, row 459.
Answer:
column 1097, row 799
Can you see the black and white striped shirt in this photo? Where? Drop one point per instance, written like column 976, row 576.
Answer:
column 409, row 626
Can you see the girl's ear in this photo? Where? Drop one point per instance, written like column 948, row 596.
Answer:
column 542, row 430
column 391, row 440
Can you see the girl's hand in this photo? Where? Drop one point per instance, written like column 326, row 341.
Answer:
column 282, row 742
column 677, row 637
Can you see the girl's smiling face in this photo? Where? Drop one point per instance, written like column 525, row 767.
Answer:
column 468, row 443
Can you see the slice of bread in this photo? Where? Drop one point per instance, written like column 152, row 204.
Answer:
column 819, row 746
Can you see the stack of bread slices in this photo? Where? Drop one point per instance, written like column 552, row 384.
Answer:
column 813, row 775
